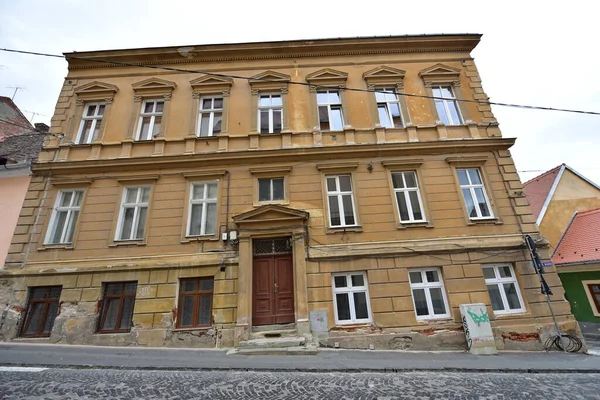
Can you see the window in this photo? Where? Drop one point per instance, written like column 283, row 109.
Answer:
column 428, row 294
column 408, row 198
column 329, row 104
column 211, row 116
column 388, row 108
column 476, row 200
column 203, row 209
column 195, row 303
column 340, row 201
column 351, row 298
column 117, row 307
column 503, row 288
column 150, row 119
column 594, row 292
column 132, row 220
column 64, row 218
column 42, row 308
column 90, row 123
column 270, row 109
column 270, row 189
column 446, row 105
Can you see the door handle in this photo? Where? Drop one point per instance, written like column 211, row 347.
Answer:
column 276, row 288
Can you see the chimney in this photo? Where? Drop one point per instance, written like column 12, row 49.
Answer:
column 41, row 127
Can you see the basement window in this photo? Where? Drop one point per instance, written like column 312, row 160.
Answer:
column 195, row 303
column 351, row 298
column 116, row 314
column 42, row 309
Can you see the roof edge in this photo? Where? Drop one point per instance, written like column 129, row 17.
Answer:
column 564, row 233
column 550, row 194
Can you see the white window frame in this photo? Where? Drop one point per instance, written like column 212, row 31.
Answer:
column 426, row 286
column 96, row 119
column 203, row 202
column 211, row 112
column 328, row 104
column 153, row 114
column 445, row 101
column 270, row 108
column 386, row 91
column 349, row 291
column 270, row 179
column 471, row 187
column 406, row 193
column 498, row 281
column 338, row 194
column 136, row 213
column 70, row 222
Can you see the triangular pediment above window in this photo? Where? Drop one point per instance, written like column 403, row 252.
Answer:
column 96, row 89
column 327, row 76
column 271, row 212
column 384, row 72
column 440, row 72
column 211, row 82
column 270, row 76
column 154, row 84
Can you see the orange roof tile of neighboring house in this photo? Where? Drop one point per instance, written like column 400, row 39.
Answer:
column 581, row 240
column 538, row 189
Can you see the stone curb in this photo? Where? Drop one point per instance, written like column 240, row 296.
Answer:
column 315, row 370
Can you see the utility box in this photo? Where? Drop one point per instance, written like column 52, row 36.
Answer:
column 478, row 330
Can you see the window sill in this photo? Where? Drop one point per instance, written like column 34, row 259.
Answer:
column 436, row 320
column 406, row 225
column 482, row 221
column 351, row 325
column 113, row 333
column 55, row 246
column 505, row 315
column 127, row 243
column 276, row 202
column 197, row 328
column 189, row 239
column 344, row 229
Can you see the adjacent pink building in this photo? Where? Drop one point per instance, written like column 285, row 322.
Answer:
column 20, row 144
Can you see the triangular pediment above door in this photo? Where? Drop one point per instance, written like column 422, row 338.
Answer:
column 269, row 213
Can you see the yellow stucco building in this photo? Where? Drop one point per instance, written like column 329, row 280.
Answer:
column 354, row 190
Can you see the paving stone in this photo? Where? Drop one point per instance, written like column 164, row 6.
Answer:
column 135, row 384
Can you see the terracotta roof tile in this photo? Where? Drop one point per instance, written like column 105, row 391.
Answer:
column 581, row 240
column 538, row 188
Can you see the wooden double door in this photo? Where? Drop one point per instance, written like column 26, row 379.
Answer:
column 273, row 289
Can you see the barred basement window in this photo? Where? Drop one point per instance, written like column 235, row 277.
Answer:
column 195, row 303
column 42, row 308
column 117, row 307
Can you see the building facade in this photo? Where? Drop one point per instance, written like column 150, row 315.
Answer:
column 20, row 145
column 353, row 190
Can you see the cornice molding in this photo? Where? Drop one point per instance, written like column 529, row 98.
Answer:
column 275, row 155
column 276, row 50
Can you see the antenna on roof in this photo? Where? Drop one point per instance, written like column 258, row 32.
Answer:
column 17, row 88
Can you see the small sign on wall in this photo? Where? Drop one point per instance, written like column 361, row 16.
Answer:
column 478, row 330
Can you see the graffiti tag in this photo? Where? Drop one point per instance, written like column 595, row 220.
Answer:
column 478, row 319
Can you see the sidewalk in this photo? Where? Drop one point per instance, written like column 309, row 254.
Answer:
column 72, row 356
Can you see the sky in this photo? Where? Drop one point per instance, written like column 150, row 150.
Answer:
column 531, row 53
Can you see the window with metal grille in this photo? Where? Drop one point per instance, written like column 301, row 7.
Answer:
column 117, row 307
column 265, row 247
column 42, row 308
column 195, row 303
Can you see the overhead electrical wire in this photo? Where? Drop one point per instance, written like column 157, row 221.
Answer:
column 127, row 64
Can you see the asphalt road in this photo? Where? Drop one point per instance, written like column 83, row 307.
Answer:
column 57, row 383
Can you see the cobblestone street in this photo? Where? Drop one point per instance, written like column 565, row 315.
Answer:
column 121, row 384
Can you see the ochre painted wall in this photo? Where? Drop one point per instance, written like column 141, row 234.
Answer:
column 12, row 194
column 572, row 194
column 576, row 294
